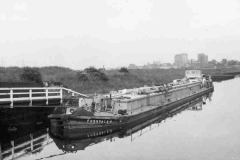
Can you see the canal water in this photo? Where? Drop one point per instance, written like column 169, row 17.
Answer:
column 200, row 131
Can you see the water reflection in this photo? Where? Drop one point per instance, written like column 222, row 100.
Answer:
column 198, row 106
column 18, row 139
column 28, row 140
column 31, row 143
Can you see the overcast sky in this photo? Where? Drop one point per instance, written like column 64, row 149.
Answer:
column 81, row 33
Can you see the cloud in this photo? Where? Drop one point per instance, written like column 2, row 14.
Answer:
column 214, row 12
column 3, row 17
column 20, row 7
column 18, row 18
column 14, row 13
column 131, row 13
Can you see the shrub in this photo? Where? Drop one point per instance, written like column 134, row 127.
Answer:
column 123, row 70
column 91, row 70
column 82, row 76
column 96, row 74
column 31, row 75
column 102, row 76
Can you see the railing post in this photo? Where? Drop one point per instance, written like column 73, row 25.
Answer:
column 12, row 143
column 61, row 96
column 11, row 98
column 46, row 96
column 31, row 136
column 30, row 97
column 47, row 135
column 131, row 136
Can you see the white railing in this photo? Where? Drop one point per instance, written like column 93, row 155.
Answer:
column 30, row 94
column 74, row 92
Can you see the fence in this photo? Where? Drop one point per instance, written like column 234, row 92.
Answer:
column 11, row 95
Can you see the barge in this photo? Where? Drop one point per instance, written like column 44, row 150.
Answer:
column 80, row 141
column 129, row 106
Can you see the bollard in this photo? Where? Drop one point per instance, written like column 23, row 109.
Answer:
column 31, row 136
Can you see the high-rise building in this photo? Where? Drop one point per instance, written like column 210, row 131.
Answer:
column 202, row 59
column 181, row 60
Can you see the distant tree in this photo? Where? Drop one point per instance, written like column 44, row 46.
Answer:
column 219, row 64
column 213, row 62
column 224, row 61
column 82, row 76
column 91, row 70
column 145, row 67
column 154, row 65
column 232, row 62
column 31, row 75
column 132, row 66
column 96, row 74
column 123, row 70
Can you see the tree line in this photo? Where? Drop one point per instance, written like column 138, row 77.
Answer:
column 224, row 62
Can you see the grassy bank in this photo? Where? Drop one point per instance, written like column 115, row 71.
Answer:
column 115, row 80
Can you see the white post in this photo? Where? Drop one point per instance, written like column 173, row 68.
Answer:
column 31, row 136
column 61, row 95
column 131, row 136
column 47, row 136
column 46, row 96
column 12, row 143
column 11, row 98
column 30, row 97
column 80, row 102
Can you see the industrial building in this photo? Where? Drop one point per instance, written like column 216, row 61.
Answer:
column 202, row 59
column 181, row 60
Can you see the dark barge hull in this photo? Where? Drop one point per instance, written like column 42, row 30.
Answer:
column 75, row 125
column 73, row 137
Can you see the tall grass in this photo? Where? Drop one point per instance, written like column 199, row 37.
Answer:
column 159, row 75
column 116, row 80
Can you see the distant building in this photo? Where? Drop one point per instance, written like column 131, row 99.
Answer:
column 166, row 64
column 193, row 63
column 181, row 60
column 157, row 62
column 202, row 59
